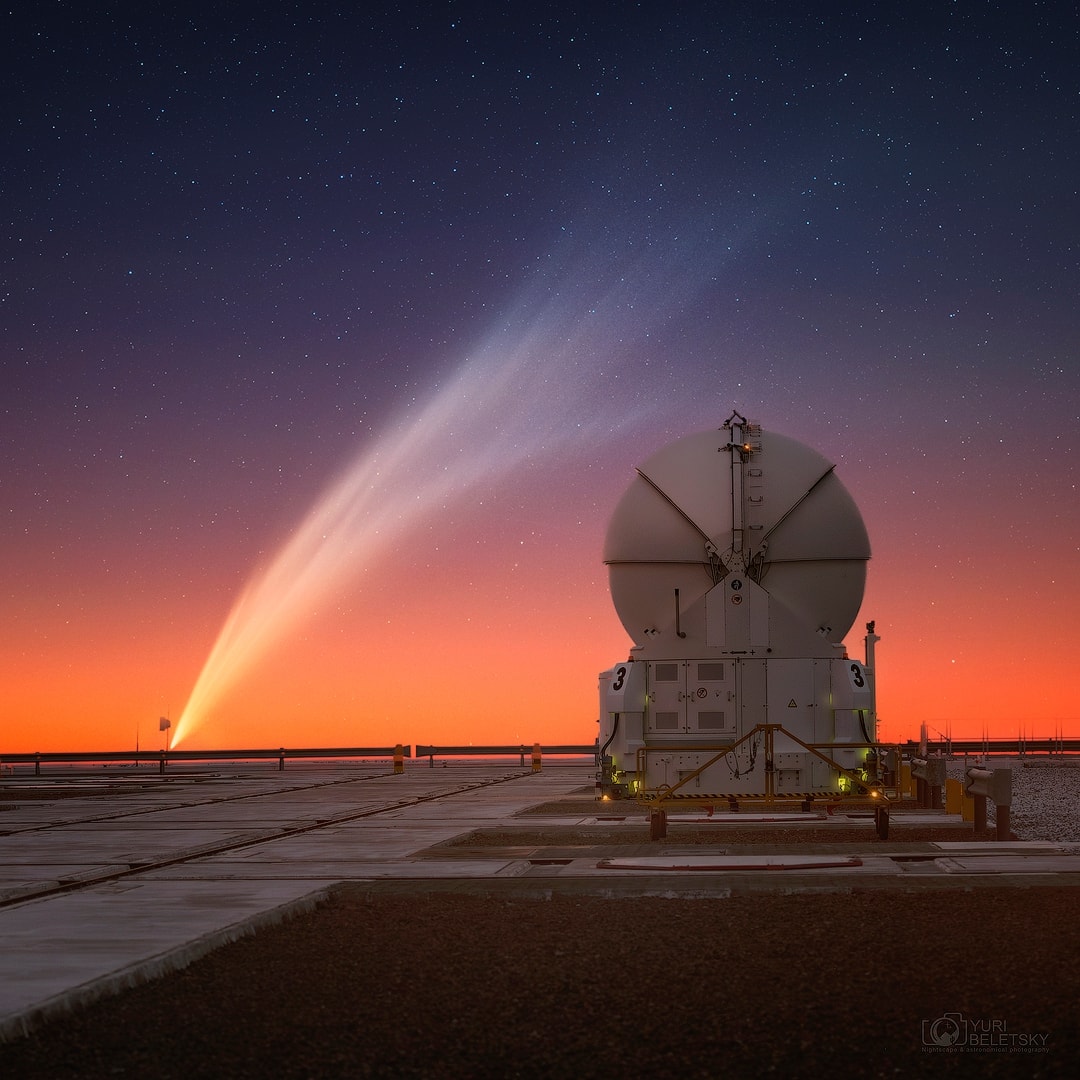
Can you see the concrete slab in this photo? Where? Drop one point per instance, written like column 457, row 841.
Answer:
column 64, row 948
column 986, row 847
column 734, row 862
column 1012, row 864
column 98, row 941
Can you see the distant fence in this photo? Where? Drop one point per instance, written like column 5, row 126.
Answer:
column 519, row 751
column 1016, row 747
column 163, row 757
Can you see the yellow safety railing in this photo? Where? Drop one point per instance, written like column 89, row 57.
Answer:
column 862, row 789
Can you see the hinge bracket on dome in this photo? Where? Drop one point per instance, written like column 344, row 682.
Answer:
column 717, row 570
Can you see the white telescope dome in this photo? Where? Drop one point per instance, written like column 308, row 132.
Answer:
column 737, row 501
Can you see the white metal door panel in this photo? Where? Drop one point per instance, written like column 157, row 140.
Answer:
column 667, row 697
column 710, row 698
column 791, row 701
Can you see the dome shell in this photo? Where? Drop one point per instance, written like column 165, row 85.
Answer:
column 699, row 509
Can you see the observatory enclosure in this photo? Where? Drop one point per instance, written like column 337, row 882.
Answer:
column 737, row 562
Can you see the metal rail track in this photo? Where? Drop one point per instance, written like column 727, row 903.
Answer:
column 144, row 866
column 119, row 815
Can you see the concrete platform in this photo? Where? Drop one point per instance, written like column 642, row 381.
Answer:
column 132, row 879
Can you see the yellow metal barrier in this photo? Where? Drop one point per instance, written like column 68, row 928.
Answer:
column 399, row 758
column 536, row 757
column 907, row 781
column 954, row 795
column 855, row 788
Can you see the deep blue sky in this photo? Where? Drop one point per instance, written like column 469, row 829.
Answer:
column 238, row 242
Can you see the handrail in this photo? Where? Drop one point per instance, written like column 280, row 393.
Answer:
column 535, row 749
column 200, row 755
column 160, row 757
column 1012, row 747
column 656, row 797
column 502, row 751
column 163, row 757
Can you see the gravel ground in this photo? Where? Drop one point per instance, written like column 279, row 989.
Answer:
column 1046, row 796
column 453, row 985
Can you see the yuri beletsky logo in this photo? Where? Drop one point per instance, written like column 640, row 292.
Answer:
column 954, row 1033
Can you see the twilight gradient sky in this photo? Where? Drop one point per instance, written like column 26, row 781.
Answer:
column 330, row 340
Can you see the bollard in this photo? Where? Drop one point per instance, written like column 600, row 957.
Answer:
column 521, row 751
column 891, row 762
column 536, row 757
column 993, row 784
column 918, row 781
column 980, row 813
column 281, row 760
column 37, row 764
column 399, row 759
column 937, row 784
column 658, row 825
column 161, row 762
column 929, row 776
column 881, row 822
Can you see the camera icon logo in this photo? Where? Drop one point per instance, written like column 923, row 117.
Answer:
column 946, row 1030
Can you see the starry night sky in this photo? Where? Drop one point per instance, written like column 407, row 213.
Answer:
column 246, row 248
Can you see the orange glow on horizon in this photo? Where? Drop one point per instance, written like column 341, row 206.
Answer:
column 492, row 626
column 491, row 652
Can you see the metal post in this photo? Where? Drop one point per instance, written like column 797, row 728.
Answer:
column 399, row 759
column 980, row 813
column 770, row 788
column 906, row 780
column 281, row 760
column 37, row 764
column 536, row 757
column 993, row 784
